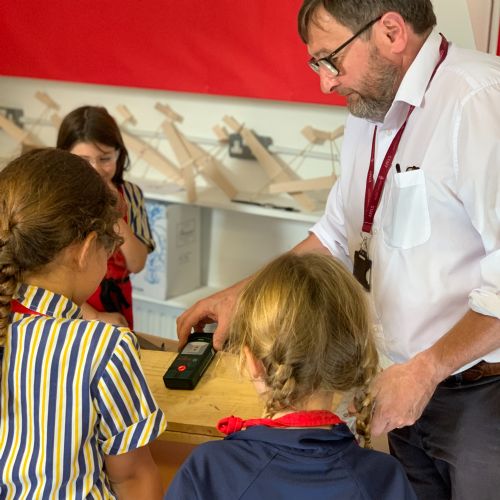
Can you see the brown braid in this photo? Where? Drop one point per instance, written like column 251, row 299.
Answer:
column 49, row 200
column 8, row 282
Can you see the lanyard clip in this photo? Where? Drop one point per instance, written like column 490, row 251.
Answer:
column 365, row 241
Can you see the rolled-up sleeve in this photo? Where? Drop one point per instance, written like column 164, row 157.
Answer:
column 129, row 415
column 330, row 229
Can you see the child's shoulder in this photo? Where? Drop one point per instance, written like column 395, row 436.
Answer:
column 131, row 189
column 106, row 334
column 230, row 458
column 378, row 473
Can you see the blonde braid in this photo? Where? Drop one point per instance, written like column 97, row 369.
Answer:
column 282, row 388
column 363, row 400
column 306, row 319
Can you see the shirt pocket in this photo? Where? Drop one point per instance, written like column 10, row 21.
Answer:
column 407, row 222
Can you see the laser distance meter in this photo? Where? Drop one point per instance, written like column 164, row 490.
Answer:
column 190, row 364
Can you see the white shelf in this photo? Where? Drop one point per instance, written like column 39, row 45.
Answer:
column 283, row 207
column 180, row 302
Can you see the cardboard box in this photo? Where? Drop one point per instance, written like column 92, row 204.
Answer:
column 174, row 268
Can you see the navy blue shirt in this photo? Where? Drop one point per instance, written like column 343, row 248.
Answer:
column 310, row 464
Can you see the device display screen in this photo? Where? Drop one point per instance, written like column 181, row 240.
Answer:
column 196, row 348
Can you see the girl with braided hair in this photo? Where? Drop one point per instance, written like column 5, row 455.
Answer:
column 302, row 331
column 76, row 413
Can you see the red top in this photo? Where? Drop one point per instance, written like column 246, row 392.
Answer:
column 114, row 294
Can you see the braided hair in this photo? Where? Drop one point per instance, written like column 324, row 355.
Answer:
column 306, row 319
column 49, row 199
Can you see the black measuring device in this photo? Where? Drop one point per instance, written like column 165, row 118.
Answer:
column 190, row 364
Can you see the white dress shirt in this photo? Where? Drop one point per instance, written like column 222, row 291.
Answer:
column 435, row 242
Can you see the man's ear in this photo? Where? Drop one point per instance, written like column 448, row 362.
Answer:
column 394, row 32
column 85, row 250
column 254, row 366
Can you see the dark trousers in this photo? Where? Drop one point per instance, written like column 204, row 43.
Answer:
column 453, row 450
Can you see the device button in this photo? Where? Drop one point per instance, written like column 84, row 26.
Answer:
column 181, row 368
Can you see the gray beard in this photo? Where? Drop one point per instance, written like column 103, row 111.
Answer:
column 377, row 93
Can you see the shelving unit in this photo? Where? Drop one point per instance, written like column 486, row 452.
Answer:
column 210, row 197
column 236, row 239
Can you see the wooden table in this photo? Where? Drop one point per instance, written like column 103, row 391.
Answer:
column 192, row 415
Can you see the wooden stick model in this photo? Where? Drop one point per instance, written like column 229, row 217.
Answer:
column 275, row 168
column 127, row 115
column 18, row 134
column 183, row 157
column 47, row 100
column 315, row 184
column 189, row 153
column 169, row 112
column 142, row 149
column 320, row 136
column 153, row 157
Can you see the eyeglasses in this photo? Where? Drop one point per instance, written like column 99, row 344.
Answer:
column 105, row 160
column 327, row 62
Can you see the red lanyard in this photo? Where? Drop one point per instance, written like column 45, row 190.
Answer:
column 313, row 418
column 16, row 306
column 374, row 193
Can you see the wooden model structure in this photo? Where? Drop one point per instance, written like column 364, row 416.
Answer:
column 145, row 151
column 27, row 137
column 282, row 179
column 192, row 158
column 314, row 136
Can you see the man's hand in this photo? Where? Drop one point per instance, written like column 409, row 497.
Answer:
column 401, row 393
column 217, row 308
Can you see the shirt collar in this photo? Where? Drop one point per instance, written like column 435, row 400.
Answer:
column 47, row 303
column 414, row 84
column 316, row 441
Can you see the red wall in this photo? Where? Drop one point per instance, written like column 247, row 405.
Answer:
column 236, row 48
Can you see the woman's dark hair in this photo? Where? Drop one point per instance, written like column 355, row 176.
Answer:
column 95, row 125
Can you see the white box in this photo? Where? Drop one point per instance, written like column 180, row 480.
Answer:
column 174, row 268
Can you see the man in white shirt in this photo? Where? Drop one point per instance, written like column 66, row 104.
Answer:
column 416, row 212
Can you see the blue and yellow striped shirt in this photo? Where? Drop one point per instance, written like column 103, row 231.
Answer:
column 71, row 391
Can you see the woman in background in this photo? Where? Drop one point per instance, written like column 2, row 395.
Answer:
column 92, row 133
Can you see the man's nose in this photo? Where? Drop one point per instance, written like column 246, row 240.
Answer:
column 327, row 80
